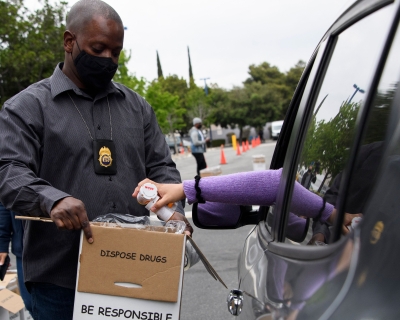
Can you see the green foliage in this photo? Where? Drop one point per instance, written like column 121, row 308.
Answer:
column 378, row 119
column 197, row 105
column 166, row 106
column 159, row 69
column 31, row 44
column 264, row 97
column 329, row 142
column 191, row 79
column 265, row 74
column 293, row 75
column 124, row 77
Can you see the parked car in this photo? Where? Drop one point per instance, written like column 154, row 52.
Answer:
column 344, row 115
column 176, row 145
column 276, row 127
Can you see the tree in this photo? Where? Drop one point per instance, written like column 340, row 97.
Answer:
column 251, row 105
column 293, row 76
column 124, row 77
column 159, row 69
column 265, row 74
column 191, row 79
column 329, row 142
column 197, row 104
column 31, row 44
column 166, row 107
column 378, row 119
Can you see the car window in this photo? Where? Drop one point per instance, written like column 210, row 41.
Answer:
column 331, row 128
column 370, row 154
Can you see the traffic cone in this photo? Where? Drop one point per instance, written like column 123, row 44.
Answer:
column 183, row 150
column 247, row 145
column 243, row 147
column 223, row 160
column 253, row 143
column 238, row 150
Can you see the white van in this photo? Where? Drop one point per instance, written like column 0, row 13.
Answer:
column 276, row 127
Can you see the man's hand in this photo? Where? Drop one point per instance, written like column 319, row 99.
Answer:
column 70, row 213
column 3, row 256
column 180, row 216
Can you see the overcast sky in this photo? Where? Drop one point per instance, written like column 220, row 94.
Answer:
column 224, row 36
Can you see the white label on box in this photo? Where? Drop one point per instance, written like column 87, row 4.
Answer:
column 98, row 306
column 95, row 306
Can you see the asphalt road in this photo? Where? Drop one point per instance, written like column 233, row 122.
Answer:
column 203, row 297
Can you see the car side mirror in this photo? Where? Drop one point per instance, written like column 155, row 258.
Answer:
column 215, row 215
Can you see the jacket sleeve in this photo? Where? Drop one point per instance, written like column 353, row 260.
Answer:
column 195, row 138
column 5, row 228
column 21, row 189
column 257, row 188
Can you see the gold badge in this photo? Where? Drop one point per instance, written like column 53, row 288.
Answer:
column 105, row 157
column 376, row 232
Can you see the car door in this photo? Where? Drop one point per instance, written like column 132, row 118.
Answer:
column 337, row 130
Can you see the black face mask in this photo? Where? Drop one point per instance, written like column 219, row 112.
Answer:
column 95, row 72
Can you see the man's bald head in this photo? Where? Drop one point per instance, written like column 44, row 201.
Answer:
column 83, row 12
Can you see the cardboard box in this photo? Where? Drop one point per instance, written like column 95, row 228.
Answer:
column 130, row 274
column 27, row 315
column 11, row 304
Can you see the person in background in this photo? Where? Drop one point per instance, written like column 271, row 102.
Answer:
column 308, row 177
column 261, row 134
column 198, row 144
column 73, row 147
column 12, row 230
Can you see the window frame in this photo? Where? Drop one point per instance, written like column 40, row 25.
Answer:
column 300, row 119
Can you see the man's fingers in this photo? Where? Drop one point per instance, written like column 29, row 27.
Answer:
column 59, row 223
column 87, row 231
column 188, row 229
column 70, row 213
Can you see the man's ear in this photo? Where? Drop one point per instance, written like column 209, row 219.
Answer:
column 69, row 40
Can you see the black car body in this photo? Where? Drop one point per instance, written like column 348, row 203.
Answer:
column 344, row 122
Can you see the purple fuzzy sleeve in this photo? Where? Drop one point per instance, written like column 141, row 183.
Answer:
column 256, row 188
column 244, row 188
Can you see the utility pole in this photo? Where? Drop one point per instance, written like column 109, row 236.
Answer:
column 205, row 85
column 357, row 89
